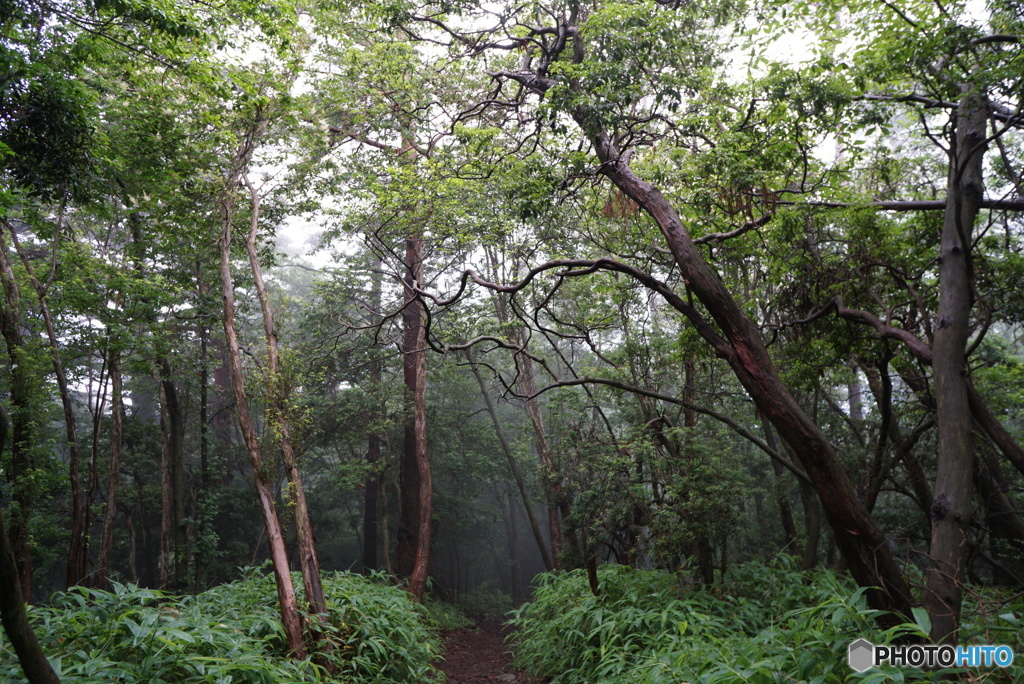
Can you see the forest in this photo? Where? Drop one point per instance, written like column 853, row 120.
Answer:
column 681, row 335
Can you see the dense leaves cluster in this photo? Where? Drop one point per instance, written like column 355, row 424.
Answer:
column 231, row 633
column 763, row 623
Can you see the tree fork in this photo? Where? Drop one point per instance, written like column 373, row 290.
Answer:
column 309, row 564
column 290, row 617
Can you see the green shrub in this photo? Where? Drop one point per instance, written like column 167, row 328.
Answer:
column 444, row 616
column 762, row 624
column 485, row 603
column 230, row 634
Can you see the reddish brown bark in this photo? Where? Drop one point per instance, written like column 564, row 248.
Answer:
column 308, row 562
column 413, row 553
column 290, row 618
column 736, row 339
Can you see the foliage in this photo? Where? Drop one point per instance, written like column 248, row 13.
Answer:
column 444, row 616
column 231, row 633
column 762, row 624
column 485, row 603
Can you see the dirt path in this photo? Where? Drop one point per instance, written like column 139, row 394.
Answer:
column 480, row 655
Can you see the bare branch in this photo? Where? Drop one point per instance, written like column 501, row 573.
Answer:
column 1008, row 204
column 739, row 429
column 746, row 227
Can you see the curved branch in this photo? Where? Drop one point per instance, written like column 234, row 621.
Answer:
column 579, row 267
column 746, row 227
column 736, row 427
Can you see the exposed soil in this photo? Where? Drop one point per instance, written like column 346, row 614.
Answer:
column 480, row 655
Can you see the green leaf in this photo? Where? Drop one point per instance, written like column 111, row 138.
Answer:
column 923, row 620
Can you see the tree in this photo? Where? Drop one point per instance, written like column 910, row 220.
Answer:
column 568, row 62
column 962, row 68
column 12, row 604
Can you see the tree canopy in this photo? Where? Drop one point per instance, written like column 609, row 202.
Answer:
column 672, row 285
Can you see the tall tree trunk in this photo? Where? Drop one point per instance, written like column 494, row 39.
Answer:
column 703, row 549
column 133, row 545
column 951, row 508
column 21, row 423
column 781, row 496
column 413, row 555
column 371, row 492
column 173, row 538
column 76, row 549
column 113, row 469
column 278, row 417
column 290, row 618
column 202, row 497
column 96, row 406
column 181, row 536
column 166, row 496
column 513, row 464
column 371, row 501
column 19, row 631
column 812, row 526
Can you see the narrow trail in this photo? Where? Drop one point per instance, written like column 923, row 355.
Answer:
column 480, row 655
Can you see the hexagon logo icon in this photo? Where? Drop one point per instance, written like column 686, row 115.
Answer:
column 862, row 655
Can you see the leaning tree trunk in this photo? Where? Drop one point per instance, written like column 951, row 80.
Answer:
column 951, row 508
column 739, row 342
column 524, row 372
column 278, row 416
column 12, row 604
column 513, row 464
column 290, row 618
column 556, row 497
column 781, row 495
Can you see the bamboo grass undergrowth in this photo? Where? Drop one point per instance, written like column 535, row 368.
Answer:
column 232, row 634
column 765, row 624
